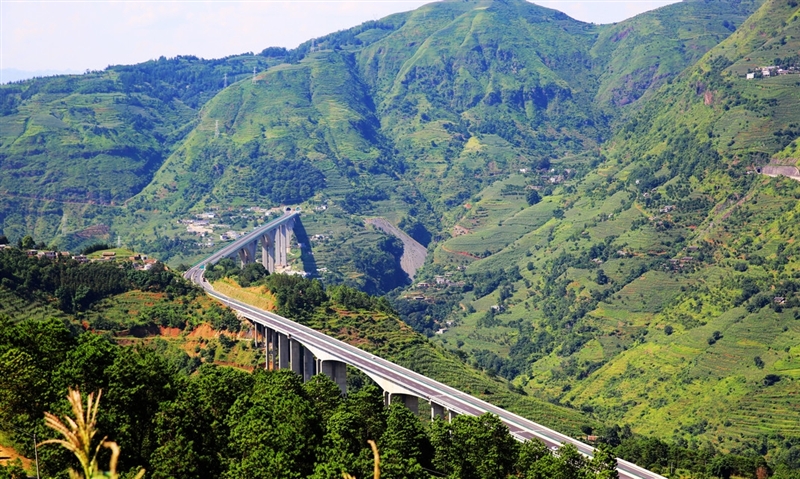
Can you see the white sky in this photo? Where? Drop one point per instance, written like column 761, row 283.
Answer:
column 92, row 34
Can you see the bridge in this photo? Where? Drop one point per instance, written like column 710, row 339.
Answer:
column 290, row 345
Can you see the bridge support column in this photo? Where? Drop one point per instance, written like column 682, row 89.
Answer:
column 247, row 254
column 283, row 351
column 255, row 334
column 269, row 347
column 409, row 401
column 282, row 232
column 337, row 371
column 278, row 245
column 308, row 364
column 437, row 411
column 295, row 357
column 268, row 251
column 451, row 415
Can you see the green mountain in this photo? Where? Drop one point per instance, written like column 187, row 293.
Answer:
column 600, row 233
column 73, row 148
column 663, row 291
column 403, row 97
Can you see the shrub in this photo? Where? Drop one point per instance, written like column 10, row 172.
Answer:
column 759, row 362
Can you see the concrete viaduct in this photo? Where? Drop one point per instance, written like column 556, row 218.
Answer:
column 290, row 345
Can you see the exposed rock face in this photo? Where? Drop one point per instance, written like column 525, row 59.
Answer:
column 414, row 253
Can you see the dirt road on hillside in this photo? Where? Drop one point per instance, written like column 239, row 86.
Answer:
column 414, row 253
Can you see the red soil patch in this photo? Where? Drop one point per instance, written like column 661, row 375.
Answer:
column 204, row 331
column 169, row 332
column 9, row 455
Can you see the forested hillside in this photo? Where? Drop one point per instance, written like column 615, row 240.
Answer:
column 600, row 233
column 176, row 413
column 661, row 288
column 406, row 117
column 224, row 422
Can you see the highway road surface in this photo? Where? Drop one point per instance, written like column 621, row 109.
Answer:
column 424, row 387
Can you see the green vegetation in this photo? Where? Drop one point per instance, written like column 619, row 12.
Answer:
column 76, row 286
column 358, row 113
column 599, row 235
column 222, row 422
column 670, row 267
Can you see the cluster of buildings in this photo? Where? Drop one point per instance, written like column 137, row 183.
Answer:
column 440, row 281
column 230, row 235
column 771, row 71
column 141, row 262
column 679, row 263
column 202, row 224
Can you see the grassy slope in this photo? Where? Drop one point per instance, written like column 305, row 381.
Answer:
column 520, row 81
column 666, row 384
column 641, row 54
column 505, row 73
column 313, row 109
column 460, row 93
column 457, row 130
column 121, row 316
column 73, row 147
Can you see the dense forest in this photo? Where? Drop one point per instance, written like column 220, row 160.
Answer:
column 224, row 422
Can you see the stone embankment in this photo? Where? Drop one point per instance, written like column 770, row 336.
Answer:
column 781, row 170
column 414, row 253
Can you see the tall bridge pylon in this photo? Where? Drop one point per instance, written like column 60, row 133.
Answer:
column 275, row 242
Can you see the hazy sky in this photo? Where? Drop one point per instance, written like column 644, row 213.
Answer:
column 92, row 34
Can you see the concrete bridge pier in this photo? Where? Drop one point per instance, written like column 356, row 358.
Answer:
column 268, row 251
column 408, row 400
column 295, row 357
column 280, row 247
column 437, row 411
column 272, row 357
column 337, row 371
column 247, row 254
column 267, row 348
column 283, row 351
column 284, row 244
column 309, row 365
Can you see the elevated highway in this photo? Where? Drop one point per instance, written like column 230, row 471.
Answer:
column 289, row 344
